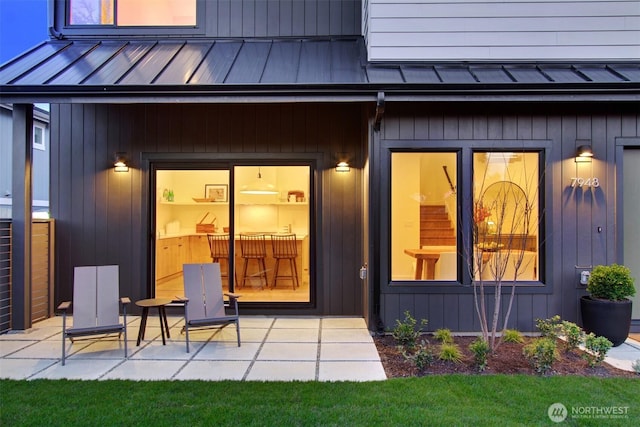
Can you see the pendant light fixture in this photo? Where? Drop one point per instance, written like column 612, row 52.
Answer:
column 259, row 186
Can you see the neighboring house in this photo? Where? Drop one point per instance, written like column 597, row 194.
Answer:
column 40, row 145
column 429, row 103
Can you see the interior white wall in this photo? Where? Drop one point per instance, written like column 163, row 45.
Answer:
column 405, row 218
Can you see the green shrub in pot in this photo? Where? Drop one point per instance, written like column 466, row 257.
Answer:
column 607, row 311
column 612, row 282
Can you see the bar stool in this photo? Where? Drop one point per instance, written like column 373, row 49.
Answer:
column 219, row 248
column 253, row 246
column 285, row 247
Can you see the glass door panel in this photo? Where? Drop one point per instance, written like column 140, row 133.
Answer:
column 272, row 229
column 189, row 205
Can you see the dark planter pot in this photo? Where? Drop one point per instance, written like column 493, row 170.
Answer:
column 609, row 319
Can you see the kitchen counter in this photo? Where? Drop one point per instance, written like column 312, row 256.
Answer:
column 189, row 247
column 187, row 233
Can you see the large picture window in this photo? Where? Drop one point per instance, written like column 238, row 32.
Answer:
column 133, row 12
column 441, row 231
column 506, row 216
column 424, row 216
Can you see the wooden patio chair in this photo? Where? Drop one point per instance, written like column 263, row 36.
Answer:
column 95, row 305
column 204, row 302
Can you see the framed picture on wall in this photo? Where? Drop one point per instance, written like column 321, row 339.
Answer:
column 217, row 192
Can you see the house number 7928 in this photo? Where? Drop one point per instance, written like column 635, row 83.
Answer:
column 585, row 182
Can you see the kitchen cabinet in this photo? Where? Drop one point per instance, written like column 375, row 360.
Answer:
column 171, row 254
column 199, row 249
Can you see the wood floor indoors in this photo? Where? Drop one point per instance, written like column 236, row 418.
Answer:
column 252, row 291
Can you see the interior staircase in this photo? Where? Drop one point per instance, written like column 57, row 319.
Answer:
column 435, row 226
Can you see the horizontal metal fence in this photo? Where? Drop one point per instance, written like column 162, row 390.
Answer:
column 42, row 243
column 5, row 275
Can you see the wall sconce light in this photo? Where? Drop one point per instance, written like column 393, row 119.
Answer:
column 120, row 163
column 584, row 153
column 343, row 167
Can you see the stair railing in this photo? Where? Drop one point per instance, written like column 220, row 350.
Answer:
column 446, row 173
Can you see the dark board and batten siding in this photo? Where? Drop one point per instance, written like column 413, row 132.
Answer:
column 282, row 18
column 101, row 215
column 573, row 215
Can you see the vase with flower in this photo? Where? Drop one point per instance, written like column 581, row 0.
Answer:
column 480, row 215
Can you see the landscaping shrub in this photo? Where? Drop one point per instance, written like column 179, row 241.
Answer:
column 450, row 352
column 573, row 334
column 636, row 366
column 422, row 357
column 541, row 354
column 405, row 332
column 613, row 282
column 444, row 336
column 597, row 348
column 512, row 335
column 549, row 328
column 480, row 349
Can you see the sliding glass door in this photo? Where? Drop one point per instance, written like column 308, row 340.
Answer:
column 253, row 220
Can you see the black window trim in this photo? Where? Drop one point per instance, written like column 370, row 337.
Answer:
column 61, row 25
column 466, row 148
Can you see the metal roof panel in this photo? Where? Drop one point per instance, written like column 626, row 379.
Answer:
column 383, row 74
column 184, row 63
column 564, row 74
column 112, row 71
column 147, row 69
column 88, row 64
column 56, row 64
column 345, row 64
column 216, row 65
column 30, row 60
column 599, row 74
column 249, row 63
column 417, row 74
column 282, row 63
column 455, row 74
column 629, row 71
column 491, row 74
column 315, row 62
column 527, row 74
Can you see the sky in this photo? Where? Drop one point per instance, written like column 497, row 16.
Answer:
column 23, row 25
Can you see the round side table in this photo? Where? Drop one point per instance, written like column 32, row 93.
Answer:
column 164, row 325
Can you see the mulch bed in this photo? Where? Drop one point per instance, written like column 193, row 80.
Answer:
column 507, row 360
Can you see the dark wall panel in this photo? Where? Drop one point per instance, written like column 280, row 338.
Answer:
column 572, row 239
column 102, row 217
column 282, row 18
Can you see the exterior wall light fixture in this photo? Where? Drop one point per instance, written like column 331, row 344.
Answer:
column 120, row 163
column 343, row 167
column 584, row 153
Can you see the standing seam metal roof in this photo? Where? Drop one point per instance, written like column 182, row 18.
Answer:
column 80, row 66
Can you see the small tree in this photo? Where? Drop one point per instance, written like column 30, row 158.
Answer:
column 500, row 245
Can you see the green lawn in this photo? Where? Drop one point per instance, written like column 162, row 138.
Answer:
column 436, row 400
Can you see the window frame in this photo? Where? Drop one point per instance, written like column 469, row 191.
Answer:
column 42, row 146
column 464, row 203
column 62, row 25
